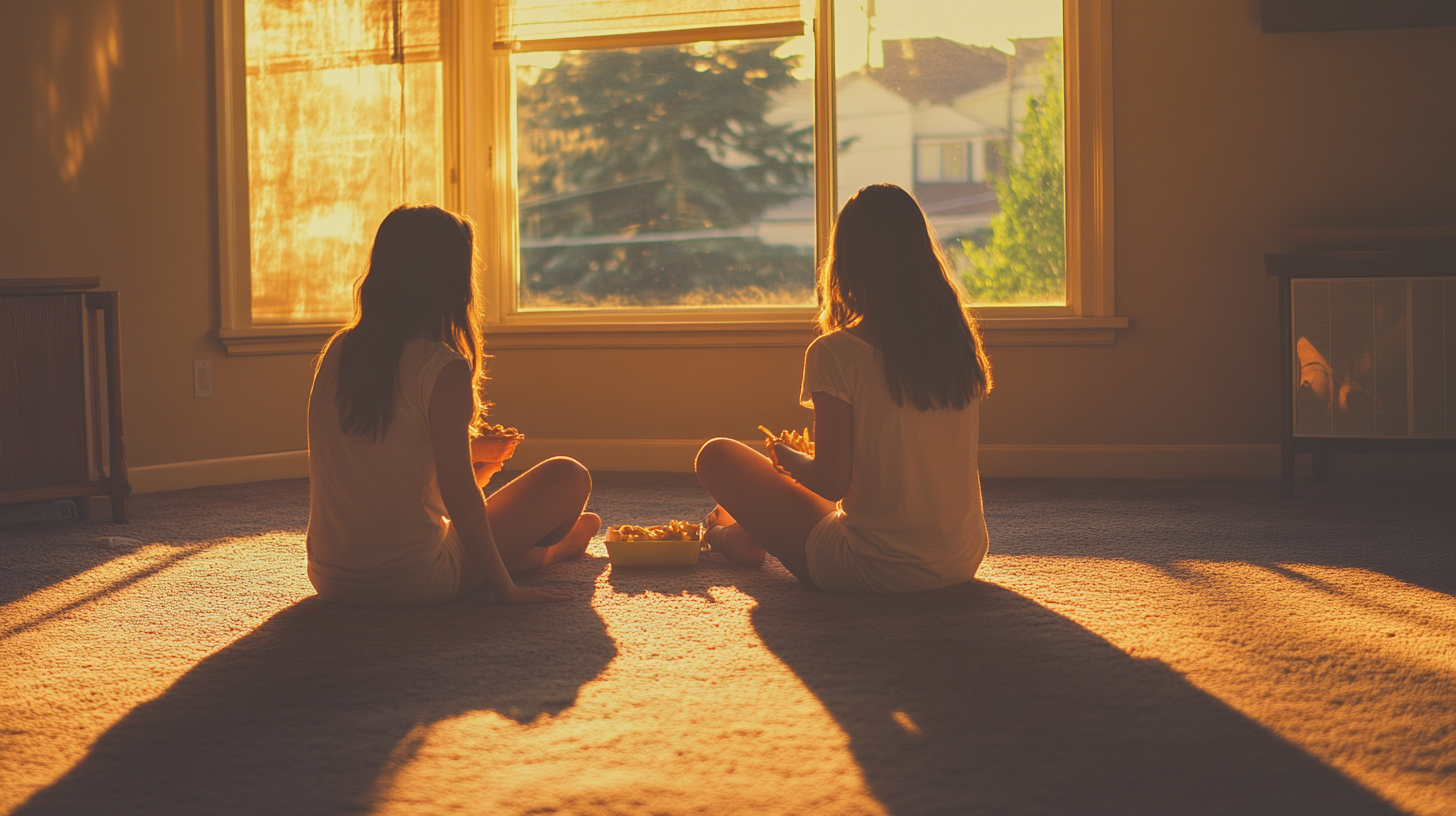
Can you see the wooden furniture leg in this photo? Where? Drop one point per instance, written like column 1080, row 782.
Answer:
column 119, row 487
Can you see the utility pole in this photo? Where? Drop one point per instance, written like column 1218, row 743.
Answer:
column 1010, row 111
column 869, row 10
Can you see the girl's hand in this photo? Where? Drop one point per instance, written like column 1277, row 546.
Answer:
column 531, row 595
column 787, row 460
column 485, row 470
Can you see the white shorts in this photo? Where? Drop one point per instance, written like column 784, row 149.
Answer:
column 835, row 566
column 433, row 582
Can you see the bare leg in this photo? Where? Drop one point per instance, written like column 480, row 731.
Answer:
column 537, row 518
column 768, row 509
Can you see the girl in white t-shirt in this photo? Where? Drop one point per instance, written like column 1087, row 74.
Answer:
column 890, row 500
column 396, row 463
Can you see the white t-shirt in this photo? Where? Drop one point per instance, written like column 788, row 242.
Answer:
column 914, row 501
column 375, row 512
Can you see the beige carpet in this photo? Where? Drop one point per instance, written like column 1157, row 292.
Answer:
column 1133, row 648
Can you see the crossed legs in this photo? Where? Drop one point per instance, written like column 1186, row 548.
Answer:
column 537, row 519
column 759, row 508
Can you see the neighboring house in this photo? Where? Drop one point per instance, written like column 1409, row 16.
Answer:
column 933, row 120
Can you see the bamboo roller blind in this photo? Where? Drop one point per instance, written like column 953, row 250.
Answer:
column 344, row 111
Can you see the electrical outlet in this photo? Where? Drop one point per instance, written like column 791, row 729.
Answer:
column 202, row 379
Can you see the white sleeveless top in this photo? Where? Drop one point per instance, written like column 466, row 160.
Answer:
column 375, row 512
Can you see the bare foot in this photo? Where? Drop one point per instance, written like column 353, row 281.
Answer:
column 736, row 545
column 718, row 518
column 572, row 546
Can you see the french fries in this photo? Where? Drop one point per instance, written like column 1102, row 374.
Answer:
column 672, row 531
column 798, row 441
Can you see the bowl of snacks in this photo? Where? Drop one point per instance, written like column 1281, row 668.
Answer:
column 676, row 543
column 494, row 443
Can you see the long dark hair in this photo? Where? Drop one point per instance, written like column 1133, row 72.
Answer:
column 887, row 272
column 418, row 284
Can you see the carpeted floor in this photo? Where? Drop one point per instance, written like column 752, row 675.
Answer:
column 1131, row 648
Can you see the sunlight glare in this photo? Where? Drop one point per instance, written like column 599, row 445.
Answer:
column 90, row 586
column 345, row 121
column 73, row 79
column 340, row 222
column 903, row 720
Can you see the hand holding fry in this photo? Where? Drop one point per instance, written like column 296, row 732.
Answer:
column 794, row 439
column 788, row 450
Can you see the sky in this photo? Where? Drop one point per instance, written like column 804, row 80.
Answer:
column 975, row 22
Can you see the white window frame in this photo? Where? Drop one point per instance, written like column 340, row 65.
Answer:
column 479, row 137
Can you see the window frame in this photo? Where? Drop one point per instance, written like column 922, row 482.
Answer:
column 479, row 141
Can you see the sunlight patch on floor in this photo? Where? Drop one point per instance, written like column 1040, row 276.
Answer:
column 1325, row 657
column 103, row 642
column 730, row 729
column 90, row 586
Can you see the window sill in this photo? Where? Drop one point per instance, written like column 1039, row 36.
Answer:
column 1052, row 331
column 999, row 331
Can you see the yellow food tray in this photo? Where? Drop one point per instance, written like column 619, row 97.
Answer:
column 650, row 553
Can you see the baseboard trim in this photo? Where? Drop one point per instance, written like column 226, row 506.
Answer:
column 1051, row 461
column 1131, row 461
column 1055, row 461
column 229, row 470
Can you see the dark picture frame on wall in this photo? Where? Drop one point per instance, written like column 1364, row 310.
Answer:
column 1291, row 16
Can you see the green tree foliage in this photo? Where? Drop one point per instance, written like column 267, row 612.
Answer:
column 1025, row 259
column 651, row 140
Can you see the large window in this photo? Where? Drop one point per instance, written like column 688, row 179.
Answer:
column 647, row 162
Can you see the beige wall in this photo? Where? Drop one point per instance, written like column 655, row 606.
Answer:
column 140, row 217
column 1225, row 138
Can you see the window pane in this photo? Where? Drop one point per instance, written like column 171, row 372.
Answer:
column 953, row 161
column 964, row 79
column 344, row 123
column 676, row 176
column 928, row 162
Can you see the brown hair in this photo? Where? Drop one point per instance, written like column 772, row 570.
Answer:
column 887, row 272
column 419, row 283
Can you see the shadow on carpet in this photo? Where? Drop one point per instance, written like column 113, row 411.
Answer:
column 972, row 699
column 308, row 712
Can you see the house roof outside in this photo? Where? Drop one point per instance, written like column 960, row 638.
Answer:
column 929, row 90
column 938, row 70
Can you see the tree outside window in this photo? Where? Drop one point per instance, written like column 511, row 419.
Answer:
column 645, row 174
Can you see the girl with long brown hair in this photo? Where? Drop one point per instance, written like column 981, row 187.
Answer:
column 396, row 460
column 890, row 498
